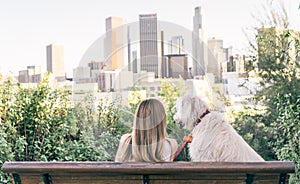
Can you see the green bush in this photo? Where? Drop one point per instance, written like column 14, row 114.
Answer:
column 286, row 131
column 100, row 128
column 254, row 128
column 6, row 154
column 36, row 123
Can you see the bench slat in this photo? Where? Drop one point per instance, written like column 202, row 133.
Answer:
column 160, row 173
column 150, row 168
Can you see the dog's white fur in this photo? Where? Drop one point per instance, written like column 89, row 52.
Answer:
column 214, row 139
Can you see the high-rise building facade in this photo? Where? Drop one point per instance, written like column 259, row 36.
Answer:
column 55, row 61
column 31, row 75
column 216, row 58
column 177, row 66
column 228, row 65
column 88, row 74
column 149, row 46
column 128, row 50
column 176, row 45
column 199, row 44
column 114, row 43
column 236, row 63
column 134, row 61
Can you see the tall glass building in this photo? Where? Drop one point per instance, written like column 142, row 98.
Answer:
column 149, row 51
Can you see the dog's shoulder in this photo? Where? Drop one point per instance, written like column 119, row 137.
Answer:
column 217, row 117
column 215, row 121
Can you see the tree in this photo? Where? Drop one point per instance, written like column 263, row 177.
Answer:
column 101, row 125
column 36, row 123
column 275, row 61
column 41, row 124
column 255, row 129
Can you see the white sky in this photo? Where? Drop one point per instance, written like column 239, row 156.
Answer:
column 27, row 27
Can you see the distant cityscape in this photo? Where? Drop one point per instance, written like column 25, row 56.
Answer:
column 209, row 70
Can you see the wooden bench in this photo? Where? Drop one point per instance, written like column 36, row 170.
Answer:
column 176, row 172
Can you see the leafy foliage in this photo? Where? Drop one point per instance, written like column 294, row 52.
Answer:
column 41, row 124
column 169, row 94
column 100, row 129
column 276, row 62
column 286, row 130
column 6, row 154
column 35, row 122
column 254, row 128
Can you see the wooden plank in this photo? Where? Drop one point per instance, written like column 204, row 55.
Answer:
column 82, row 179
column 149, row 168
column 157, row 173
column 31, row 179
column 154, row 179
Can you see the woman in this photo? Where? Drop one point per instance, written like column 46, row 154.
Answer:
column 148, row 141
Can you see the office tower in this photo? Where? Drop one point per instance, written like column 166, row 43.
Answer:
column 176, row 45
column 114, row 80
column 128, row 48
column 134, row 61
column 199, row 44
column 95, row 69
column 163, row 58
column 31, row 75
column 237, row 63
column 55, row 61
column 114, row 43
column 149, row 51
column 23, row 76
column 177, row 65
column 216, row 58
column 88, row 74
column 228, row 64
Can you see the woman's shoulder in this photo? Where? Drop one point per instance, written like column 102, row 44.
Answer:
column 124, row 137
column 124, row 151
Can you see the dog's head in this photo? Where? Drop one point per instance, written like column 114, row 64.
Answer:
column 188, row 109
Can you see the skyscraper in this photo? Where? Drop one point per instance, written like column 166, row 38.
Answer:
column 134, row 61
column 55, row 61
column 149, row 51
column 163, row 59
column 177, row 65
column 114, row 43
column 199, row 47
column 216, row 58
column 176, row 62
column 128, row 49
column 176, row 45
column 31, row 75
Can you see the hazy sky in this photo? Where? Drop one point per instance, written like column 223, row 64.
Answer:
column 28, row 26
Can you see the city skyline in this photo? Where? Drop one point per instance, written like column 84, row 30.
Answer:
column 29, row 27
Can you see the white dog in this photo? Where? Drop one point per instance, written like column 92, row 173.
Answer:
column 214, row 139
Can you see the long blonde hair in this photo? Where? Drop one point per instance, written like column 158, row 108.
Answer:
column 149, row 131
column 146, row 143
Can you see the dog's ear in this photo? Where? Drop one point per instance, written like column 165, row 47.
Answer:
column 201, row 106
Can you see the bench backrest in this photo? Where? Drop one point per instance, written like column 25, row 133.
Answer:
column 176, row 172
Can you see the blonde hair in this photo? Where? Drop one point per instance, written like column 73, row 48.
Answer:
column 146, row 143
column 149, row 131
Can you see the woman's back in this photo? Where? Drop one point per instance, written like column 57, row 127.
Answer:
column 124, row 153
